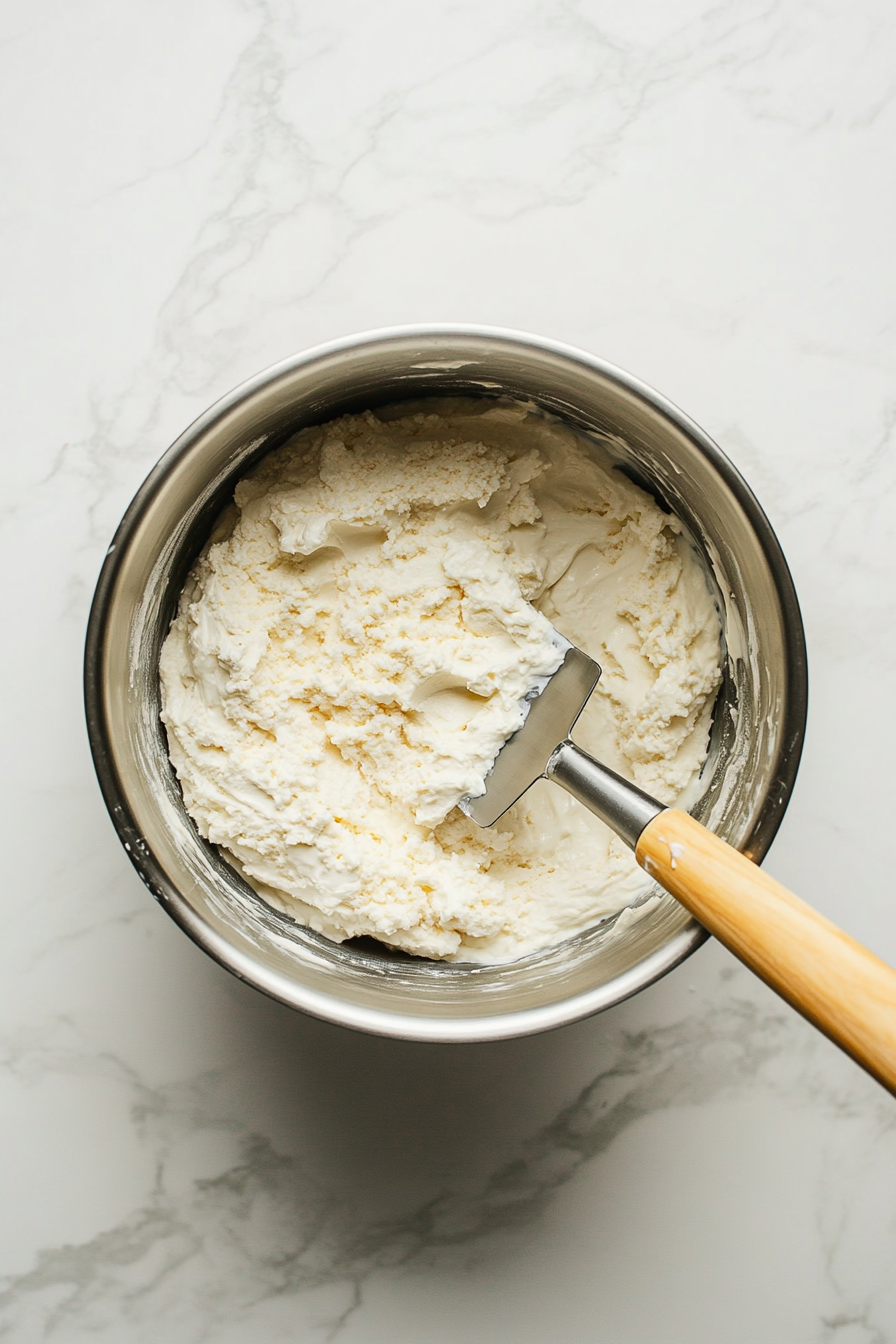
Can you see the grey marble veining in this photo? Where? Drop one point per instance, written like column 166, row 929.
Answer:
column 699, row 193
column 250, row 1224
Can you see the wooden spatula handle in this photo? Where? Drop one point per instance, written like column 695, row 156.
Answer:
column 840, row 986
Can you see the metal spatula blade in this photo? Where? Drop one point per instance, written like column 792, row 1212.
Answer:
column 549, row 721
column 541, row 749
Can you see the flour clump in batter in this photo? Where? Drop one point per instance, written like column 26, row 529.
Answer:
column 351, row 652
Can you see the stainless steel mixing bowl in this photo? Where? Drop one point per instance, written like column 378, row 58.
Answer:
column 758, row 725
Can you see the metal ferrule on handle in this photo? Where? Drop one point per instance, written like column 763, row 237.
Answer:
column 621, row 805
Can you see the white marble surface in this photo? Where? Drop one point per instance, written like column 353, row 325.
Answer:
column 193, row 189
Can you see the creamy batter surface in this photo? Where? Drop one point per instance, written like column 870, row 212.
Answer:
column 350, row 654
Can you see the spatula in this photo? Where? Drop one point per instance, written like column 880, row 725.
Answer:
column 841, row 987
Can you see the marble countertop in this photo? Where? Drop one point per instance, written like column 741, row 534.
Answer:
column 192, row 190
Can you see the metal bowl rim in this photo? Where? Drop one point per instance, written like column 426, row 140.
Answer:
column 500, row 1026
